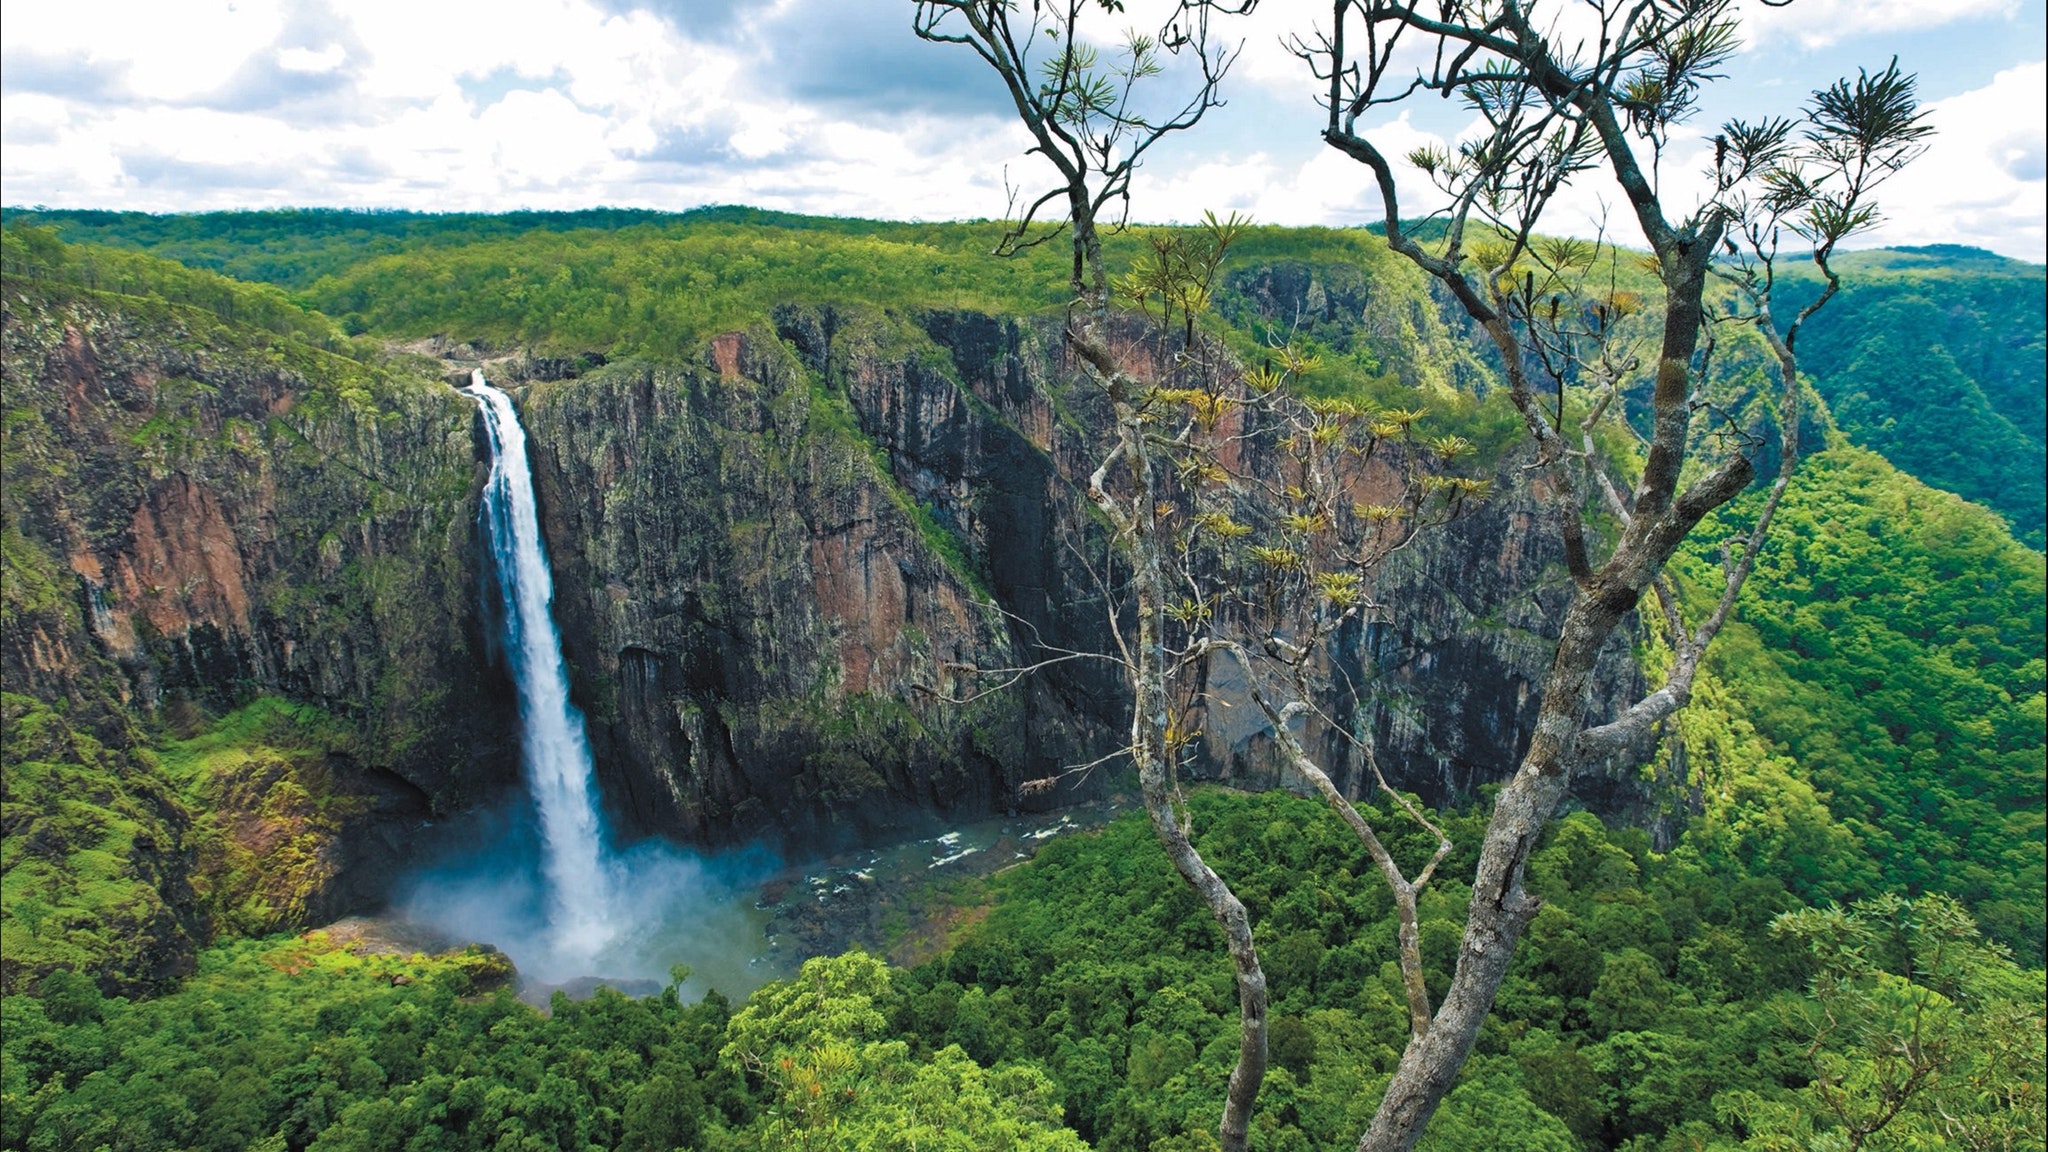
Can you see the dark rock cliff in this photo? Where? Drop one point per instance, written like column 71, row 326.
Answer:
column 787, row 575
column 772, row 566
column 769, row 630
column 243, row 518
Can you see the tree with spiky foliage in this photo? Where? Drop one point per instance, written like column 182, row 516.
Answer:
column 1561, row 92
column 1917, row 1034
column 1086, row 119
column 1088, row 124
column 1557, row 102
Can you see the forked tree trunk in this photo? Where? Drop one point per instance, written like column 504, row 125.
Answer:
column 1501, row 909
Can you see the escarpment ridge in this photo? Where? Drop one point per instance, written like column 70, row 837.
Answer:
column 780, row 566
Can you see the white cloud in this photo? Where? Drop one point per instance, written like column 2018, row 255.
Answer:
column 308, row 60
column 1819, row 23
column 498, row 104
column 32, row 118
column 1982, row 180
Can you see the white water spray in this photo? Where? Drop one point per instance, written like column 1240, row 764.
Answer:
column 553, row 745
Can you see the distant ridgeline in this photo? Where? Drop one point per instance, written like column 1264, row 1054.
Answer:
column 198, row 757
column 1933, row 357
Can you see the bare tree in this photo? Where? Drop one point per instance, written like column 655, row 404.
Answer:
column 1600, row 85
column 1281, row 512
column 1094, row 120
column 1263, row 569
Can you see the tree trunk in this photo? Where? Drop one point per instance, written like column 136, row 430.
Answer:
column 1500, row 909
column 1151, row 719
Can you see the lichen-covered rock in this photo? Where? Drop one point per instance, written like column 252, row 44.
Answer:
column 93, row 867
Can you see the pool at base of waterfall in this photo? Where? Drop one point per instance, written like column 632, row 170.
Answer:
column 736, row 920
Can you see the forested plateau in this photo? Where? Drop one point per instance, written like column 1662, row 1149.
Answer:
column 804, row 481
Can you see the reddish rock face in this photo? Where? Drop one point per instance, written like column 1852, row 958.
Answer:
column 859, row 586
column 234, row 525
column 182, row 565
column 208, row 515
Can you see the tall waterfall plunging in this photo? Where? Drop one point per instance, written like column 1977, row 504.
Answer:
column 544, row 880
column 554, row 748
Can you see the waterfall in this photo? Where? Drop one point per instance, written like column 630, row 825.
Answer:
column 554, row 749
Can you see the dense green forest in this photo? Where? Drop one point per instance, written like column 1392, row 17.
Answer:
column 1938, row 364
column 1891, row 647
column 1668, row 1000
column 1850, row 918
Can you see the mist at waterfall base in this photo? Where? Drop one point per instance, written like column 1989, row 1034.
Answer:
column 664, row 906
column 541, row 880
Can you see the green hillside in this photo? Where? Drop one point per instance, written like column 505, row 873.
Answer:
column 1888, row 652
column 1933, row 356
column 1935, row 359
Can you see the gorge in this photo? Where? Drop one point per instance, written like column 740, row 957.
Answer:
column 560, row 898
column 277, row 610
column 775, row 561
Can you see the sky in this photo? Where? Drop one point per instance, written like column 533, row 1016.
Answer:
column 834, row 107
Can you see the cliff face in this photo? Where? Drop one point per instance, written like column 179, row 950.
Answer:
column 788, row 574
column 244, row 517
column 769, row 630
column 770, row 566
column 198, row 515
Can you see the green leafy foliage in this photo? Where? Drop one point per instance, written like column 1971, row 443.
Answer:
column 91, row 868
column 1918, row 1036
column 1891, row 645
column 293, row 247
column 819, row 1045
column 1659, row 1001
column 1935, row 360
column 36, row 253
column 657, row 285
column 1096, row 963
column 298, row 1043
